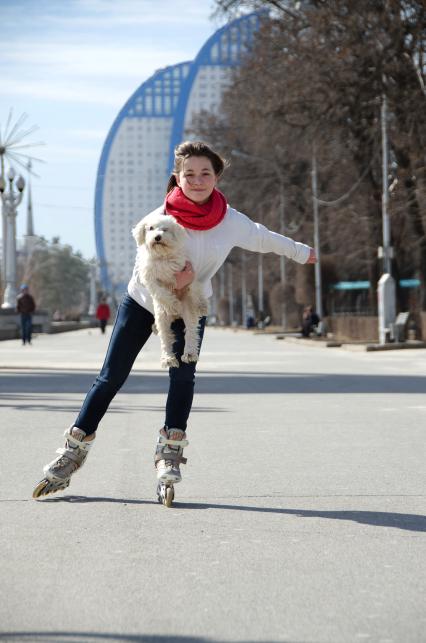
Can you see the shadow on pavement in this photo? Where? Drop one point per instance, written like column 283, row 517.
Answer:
column 150, row 382
column 81, row 637
column 409, row 522
column 84, row 499
column 23, row 402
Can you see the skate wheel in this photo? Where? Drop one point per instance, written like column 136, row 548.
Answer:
column 168, row 496
column 46, row 487
column 38, row 491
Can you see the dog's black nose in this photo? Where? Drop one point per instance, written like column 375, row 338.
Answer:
column 158, row 237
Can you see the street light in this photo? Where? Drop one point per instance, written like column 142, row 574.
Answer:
column 315, row 205
column 231, row 293
column 11, row 196
column 92, row 266
column 386, row 285
column 243, row 287
column 13, row 149
column 261, row 303
column 92, row 302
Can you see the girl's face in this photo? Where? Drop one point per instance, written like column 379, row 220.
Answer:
column 197, row 178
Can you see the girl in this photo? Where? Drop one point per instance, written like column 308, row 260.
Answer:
column 213, row 229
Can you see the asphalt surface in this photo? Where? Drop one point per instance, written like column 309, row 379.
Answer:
column 301, row 516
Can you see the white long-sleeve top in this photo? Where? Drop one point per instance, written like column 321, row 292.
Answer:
column 208, row 249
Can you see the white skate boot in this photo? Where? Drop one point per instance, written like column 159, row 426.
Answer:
column 72, row 457
column 168, row 457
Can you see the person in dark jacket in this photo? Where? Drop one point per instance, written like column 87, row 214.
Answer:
column 25, row 306
column 310, row 321
column 103, row 313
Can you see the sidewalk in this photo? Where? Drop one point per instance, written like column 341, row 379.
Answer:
column 80, row 349
column 360, row 345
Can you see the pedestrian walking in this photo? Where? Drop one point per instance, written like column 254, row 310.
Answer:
column 213, row 228
column 103, row 313
column 25, row 306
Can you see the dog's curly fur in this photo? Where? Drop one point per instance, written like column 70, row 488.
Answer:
column 161, row 254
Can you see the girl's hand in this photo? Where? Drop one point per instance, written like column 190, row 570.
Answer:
column 312, row 256
column 184, row 278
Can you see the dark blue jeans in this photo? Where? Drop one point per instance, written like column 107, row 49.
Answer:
column 132, row 328
column 26, row 327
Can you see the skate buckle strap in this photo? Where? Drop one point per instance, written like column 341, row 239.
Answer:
column 172, row 457
column 68, row 453
column 173, row 443
column 77, row 443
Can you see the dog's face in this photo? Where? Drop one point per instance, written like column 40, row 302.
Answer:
column 160, row 233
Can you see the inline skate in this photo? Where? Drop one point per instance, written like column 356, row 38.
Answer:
column 72, row 457
column 168, row 457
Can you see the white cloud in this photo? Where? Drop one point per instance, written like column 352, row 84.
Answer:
column 110, row 13
column 83, row 60
column 86, row 51
column 65, row 92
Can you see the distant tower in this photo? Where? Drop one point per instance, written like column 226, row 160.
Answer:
column 30, row 238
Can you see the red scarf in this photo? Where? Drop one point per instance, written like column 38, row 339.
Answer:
column 196, row 216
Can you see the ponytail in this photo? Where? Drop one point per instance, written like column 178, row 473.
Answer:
column 171, row 184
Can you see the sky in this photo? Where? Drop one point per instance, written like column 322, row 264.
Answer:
column 69, row 66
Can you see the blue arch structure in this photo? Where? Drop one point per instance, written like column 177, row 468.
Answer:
column 149, row 100
column 220, row 50
column 166, row 95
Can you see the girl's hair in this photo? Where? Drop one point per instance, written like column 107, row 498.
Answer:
column 194, row 148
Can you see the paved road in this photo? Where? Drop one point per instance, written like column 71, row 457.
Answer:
column 301, row 517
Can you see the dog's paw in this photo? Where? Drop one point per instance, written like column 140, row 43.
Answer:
column 189, row 357
column 154, row 329
column 169, row 361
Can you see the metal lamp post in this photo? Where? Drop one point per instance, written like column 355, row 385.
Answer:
column 92, row 301
column 243, row 289
column 386, row 286
column 315, row 204
column 11, row 196
column 13, row 149
column 231, row 293
column 3, row 214
column 282, row 258
column 260, row 303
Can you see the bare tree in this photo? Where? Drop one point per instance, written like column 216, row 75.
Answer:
column 59, row 278
column 316, row 79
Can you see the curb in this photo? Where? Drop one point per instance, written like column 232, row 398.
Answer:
column 353, row 346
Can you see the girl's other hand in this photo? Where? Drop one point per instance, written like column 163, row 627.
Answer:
column 184, row 277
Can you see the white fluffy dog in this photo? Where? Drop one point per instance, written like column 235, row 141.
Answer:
column 160, row 241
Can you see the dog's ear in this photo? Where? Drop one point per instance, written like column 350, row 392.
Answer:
column 139, row 232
